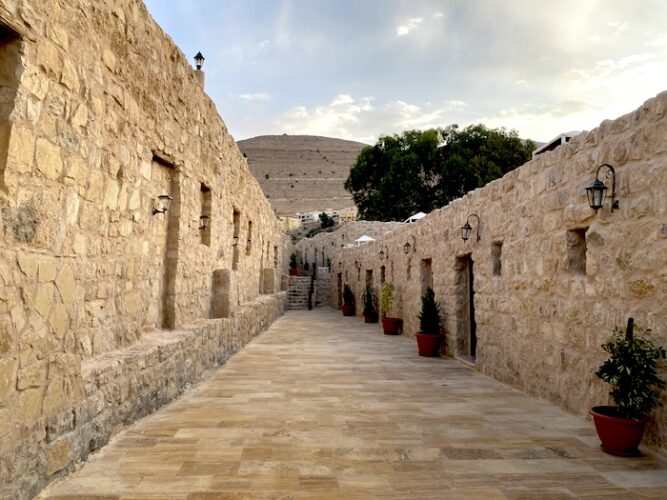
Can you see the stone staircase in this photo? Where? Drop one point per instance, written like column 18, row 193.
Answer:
column 297, row 295
column 299, row 287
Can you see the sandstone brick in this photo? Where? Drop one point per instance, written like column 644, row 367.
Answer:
column 49, row 58
column 8, row 368
column 58, row 456
column 44, row 299
column 80, row 117
column 69, row 77
column 47, row 157
column 109, row 59
column 66, row 285
column 28, row 264
column 29, row 406
column 54, row 397
column 21, row 150
column 47, row 270
column 59, row 320
column 33, row 375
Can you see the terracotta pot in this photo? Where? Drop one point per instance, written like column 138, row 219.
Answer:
column 293, row 272
column 428, row 344
column 370, row 318
column 619, row 436
column 391, row 326
column 348, row 310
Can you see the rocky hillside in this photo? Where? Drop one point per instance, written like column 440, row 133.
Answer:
column 300, row 173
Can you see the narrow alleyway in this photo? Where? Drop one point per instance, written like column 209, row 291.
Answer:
column 322, row 406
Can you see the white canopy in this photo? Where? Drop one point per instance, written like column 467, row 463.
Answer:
column 415, row 217
column 363, row 239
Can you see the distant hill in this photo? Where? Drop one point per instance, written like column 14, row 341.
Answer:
column 300, row 173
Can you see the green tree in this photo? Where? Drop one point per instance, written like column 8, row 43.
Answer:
column 423, row 170
column 326, row 221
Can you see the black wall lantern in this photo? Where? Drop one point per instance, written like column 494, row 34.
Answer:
column 597, row 190
column 384, row 254
column 199, row 60
column 203, row 222
column 235, row 241
column 407, row 246
column 162, row 204
column 466, row 228
column 357, row 264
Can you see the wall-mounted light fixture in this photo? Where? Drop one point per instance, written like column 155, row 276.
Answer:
column 162, row 204
column 384, row 253
column 466, row 228
column 332, row 243
column 357, row 264
column 199, row 60
column 235, row 241
column 597, row 190
column 408, row 246
column 203, row 222
column 340, row 265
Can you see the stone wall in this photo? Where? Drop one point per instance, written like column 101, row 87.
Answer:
column 100, row 113
column 551, row 277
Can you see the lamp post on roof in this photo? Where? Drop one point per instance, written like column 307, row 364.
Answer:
column 199, row 74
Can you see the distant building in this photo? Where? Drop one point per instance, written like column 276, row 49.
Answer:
column 348, row 214
column 554, row 143
column 312, row 217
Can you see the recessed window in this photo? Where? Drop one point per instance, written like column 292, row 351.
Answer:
column 248, row 247
column 275, row 256
column 496, row 254
column 576, row 251
column 205, row 218
column 235, row 239
column 10, row 61
column 383, row 277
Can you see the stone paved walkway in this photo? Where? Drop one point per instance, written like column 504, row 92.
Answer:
column 322, row 406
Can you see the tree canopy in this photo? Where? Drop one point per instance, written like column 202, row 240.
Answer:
column 326, row 221
column 419, row 171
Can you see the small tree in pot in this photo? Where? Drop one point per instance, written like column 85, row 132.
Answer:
column 348, row 301
column 636, row 390
column 428, row 336
column 369, row 298
column 391, row 326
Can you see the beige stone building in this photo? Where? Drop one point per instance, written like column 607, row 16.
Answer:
column 110, row 305
column 531, row 301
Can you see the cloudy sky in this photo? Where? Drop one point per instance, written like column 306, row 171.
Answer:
column 357, row 69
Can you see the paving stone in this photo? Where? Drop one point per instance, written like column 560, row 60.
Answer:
column 323, row 406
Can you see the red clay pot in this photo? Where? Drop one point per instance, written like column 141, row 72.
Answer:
column 370, row 318
column 293, row 272
column 428, row 344
column 619, row 436
column 391, row 326
column 348, row 310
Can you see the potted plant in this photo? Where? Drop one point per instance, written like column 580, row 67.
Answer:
column 293, row 271
column 348, row 301
column 369, row 298
column 428, row 336
column 390, row 326
column 636, row 390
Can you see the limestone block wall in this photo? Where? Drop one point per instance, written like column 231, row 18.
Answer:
column 551, row 278
column 100, row 113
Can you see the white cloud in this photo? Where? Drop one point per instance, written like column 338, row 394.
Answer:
column 438, row 15
column 256, row 97
column 349, row 118
column 409, row 26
